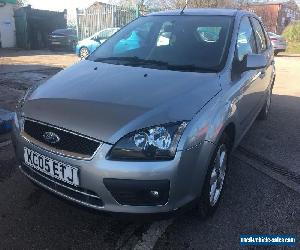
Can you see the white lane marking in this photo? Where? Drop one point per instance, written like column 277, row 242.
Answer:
column 125, row 239
column 151, row 236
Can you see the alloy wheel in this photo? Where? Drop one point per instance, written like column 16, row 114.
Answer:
column 84, row 53
column 218, row 175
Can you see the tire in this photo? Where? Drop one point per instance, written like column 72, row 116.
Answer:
column 264, row 113
column 215, row 178
column 84, row 52
column 276, row 53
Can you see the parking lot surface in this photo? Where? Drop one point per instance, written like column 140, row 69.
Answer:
column 262, row 193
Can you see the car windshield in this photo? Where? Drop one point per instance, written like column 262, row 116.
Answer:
column 64, row 31
column 104, row 34
column 180, row 43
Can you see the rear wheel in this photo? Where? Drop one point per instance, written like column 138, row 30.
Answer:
column 215, row 177
column 84, row 52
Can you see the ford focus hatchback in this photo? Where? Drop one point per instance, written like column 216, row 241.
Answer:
column 146, row 124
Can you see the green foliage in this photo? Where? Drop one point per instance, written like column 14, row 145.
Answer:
column 292, row 32
column 293, row 48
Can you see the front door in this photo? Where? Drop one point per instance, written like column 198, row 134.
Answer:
column 249, row 85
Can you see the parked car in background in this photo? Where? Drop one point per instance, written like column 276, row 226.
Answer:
column 279, row 43
column 63, row 38
column 147, row 123
column 87, row 46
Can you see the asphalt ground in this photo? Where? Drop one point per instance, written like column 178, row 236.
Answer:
column 261, row 194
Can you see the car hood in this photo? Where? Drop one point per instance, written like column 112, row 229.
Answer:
column 106, row 101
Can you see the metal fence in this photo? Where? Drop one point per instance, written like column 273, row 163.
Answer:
column 100, row 16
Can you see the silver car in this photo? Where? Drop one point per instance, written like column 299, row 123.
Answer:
column 279, row 43
column 145, row 126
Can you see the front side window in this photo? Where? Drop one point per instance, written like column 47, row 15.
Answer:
column 181, row 43
column 260, row 36
column 246, row 40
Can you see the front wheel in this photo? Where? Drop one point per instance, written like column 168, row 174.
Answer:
column 84, row 52
column 215, row 177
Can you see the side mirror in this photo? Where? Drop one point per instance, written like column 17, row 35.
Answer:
column 254, row 61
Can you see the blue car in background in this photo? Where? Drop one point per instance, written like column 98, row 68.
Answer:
column 87, row 46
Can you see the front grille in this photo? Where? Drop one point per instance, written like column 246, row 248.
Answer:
column 69, row 142
column 77, row 193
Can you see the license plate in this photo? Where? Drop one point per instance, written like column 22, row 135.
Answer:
column 55, row 42
column 53, row 168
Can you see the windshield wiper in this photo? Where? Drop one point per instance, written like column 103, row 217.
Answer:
column 115, row 58
column 136, row 61
column 191, row 68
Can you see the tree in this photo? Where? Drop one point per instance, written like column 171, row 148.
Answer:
column 179, row 4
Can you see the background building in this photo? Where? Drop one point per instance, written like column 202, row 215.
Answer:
column 34, row 26
column 7, row 24
column 276, row 15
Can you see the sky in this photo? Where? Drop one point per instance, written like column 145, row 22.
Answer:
column 60, row 5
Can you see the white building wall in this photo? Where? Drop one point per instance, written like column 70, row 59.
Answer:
column 7, row 26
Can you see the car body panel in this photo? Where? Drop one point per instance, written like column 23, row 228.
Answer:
column 63, row 38
column 94, row 171
column 94, row 107
column 106, row 102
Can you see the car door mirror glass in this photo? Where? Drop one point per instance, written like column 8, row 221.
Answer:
column 255, row 61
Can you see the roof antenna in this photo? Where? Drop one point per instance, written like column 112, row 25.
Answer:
column 182, row 11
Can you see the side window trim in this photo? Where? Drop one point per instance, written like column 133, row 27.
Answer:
column 237, row 35
column 253, row 32
column 264, row 34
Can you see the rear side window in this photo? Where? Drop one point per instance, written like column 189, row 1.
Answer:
column 260, row 35
column 246, row 40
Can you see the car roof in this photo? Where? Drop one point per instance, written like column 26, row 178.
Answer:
column 197, row 12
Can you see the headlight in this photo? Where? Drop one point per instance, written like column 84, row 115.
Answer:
column 155, row 143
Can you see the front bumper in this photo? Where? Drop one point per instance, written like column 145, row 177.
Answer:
column 59, row 43
column 102, row 181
